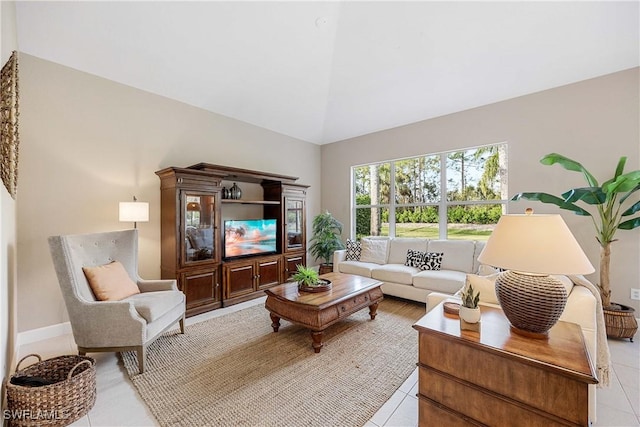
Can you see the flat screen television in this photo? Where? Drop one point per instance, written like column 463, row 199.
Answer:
column 244, row 237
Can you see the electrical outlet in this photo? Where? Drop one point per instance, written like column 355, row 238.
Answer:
column 635, row 294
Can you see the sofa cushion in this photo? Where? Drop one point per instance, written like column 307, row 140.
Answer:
column 458, row 254
column 353, row 250
column 154, row 305
column 486, row 285
column 399, row 247
column 445, row 281
column 357, row 267
column 374, row 250
column 395, row 273
column 479, row 246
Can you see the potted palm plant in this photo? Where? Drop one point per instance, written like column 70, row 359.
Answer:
column 612, row 209
column 325, row 241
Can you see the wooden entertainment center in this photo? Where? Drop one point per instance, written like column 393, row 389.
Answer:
column 193, row 212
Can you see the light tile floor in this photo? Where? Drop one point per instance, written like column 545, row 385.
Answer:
column 118, row 404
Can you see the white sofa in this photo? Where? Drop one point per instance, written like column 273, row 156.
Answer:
column 460, row 257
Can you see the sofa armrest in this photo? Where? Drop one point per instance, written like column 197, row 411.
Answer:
column 338, row 257
column 435, row 298
column 107, row 324
column 157, row 285
column 581, row 309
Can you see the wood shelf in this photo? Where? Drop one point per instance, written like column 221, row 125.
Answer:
column 251, row 202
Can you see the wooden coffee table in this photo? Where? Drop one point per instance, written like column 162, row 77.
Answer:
column 319, row 310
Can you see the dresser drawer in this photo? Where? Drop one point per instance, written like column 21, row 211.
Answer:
column 429, row 412
column 523, row 382
column 481, row 405
column 358, row 302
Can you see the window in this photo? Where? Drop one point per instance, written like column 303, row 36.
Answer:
column 453, row 195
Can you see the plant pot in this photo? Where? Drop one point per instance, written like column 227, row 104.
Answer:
column 325, row 268
column 470, row 315
column 323, row 285
column 620, row 323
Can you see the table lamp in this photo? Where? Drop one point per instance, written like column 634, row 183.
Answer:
column 531, row 247
column 134, row 212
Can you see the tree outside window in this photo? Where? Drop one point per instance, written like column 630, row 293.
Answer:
column 406, row 198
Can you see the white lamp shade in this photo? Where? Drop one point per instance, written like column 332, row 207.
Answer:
column 540, row 244
column 134, row 211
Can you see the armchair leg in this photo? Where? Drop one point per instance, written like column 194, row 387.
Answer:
column 182, row 325
column 81, row 352
column 142, row 354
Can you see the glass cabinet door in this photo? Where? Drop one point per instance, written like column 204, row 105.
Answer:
column 199, row 227
column 294, row 217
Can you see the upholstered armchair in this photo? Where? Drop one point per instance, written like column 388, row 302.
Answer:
column 130, row 324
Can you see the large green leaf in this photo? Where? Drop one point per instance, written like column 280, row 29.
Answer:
column 629, row 224
column 633, row 209
column 569, row 164
column 551, row 199
column 626, row 196
column 620, row 167
column 589, row 195
column 622, row 184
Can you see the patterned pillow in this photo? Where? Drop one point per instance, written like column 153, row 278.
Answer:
column 432, row 261
column 353, row 250
column 414, row 258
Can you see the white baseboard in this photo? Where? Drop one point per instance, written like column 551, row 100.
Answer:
column 40, row 334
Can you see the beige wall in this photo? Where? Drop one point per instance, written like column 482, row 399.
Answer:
column 8, row 285
column 594, row 122
column 89, row 143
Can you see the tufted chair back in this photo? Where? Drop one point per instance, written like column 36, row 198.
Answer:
column 88, row 250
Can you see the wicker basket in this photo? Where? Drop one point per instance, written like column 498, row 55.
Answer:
column 59, row 404
column 621, row 323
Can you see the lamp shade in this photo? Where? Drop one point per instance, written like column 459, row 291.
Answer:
column 134, row 211
column 540, row 244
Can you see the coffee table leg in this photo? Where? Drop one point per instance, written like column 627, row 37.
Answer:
column 275, row 322
column 373, row 310
column 317, row 341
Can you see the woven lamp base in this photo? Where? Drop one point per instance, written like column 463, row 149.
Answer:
column 532, row 303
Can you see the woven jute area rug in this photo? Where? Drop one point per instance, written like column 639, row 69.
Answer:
column 235, row 371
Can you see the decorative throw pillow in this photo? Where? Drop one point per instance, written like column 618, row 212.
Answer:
column 110, row 282
column 353, row 250
column 432, row 261
column 374, row 250
column 414, row 258
column 486, row 285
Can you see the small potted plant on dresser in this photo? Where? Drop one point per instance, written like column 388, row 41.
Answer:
column 325, row 241
column 469, row 310
column 614, row 204
column 309, row 281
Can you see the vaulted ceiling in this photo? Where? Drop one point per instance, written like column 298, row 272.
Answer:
column 324, row 71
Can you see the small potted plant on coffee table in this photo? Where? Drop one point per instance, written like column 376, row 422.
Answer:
column 309, row 281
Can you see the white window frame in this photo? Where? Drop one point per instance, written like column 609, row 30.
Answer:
column 443, row 204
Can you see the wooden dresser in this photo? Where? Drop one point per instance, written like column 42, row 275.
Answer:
column 496, row 377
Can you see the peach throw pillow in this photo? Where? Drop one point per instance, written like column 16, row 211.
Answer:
column 110, row 282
